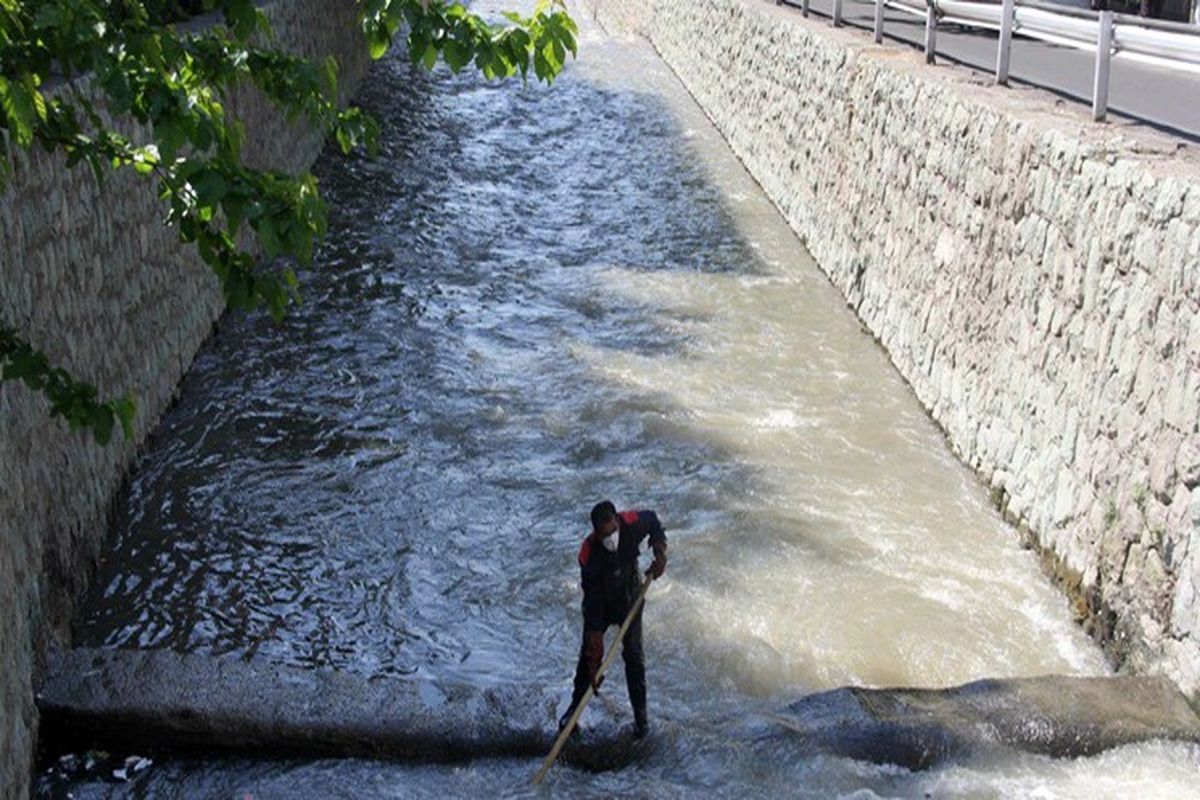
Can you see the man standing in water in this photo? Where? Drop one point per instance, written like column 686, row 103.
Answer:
column 608, row 564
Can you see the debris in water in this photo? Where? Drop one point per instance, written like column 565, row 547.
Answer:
column 93, row 757
column 133, row 765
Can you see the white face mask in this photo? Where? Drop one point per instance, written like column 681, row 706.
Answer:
column 610, row 542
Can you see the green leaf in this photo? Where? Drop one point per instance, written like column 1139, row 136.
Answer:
column 26, row 364
column 456, row 54
column 268, row 235
column 377, row 43
column 21, row 103
column 240, row 16
column 329, row 74
column 209, row 186
column 125, row 409
column 299, row 242
column 293, row 285
column 100, row 420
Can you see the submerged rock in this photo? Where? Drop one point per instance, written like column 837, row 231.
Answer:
column 160, row 700
column 605, row 747
column 151, row 701
column 1058, row 716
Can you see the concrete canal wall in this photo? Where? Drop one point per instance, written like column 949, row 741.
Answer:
column 92, row 277
column 1033, row 275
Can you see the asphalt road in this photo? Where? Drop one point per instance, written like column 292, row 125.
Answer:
column 1163, row 99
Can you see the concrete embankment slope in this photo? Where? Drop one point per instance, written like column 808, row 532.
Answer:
column 93, row 278
column 1033, row 275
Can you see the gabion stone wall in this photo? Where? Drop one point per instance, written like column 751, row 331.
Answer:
column 93, row 278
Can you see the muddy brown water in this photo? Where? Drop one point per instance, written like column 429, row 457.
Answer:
column 531, row 300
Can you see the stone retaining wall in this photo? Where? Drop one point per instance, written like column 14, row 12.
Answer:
column 92, row 277
column 1033, row 275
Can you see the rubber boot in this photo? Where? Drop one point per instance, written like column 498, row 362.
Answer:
column 640, row 725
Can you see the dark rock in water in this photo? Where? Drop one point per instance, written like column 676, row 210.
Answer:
column 1058, row 716
column 158, row 700
column 161, row 700
column 605, row 748
column 150, row 701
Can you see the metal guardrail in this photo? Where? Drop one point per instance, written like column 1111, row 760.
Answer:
column 1173, row 45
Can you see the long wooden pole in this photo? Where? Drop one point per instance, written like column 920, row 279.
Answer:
column 590, row 693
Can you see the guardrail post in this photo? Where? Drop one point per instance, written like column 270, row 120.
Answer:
column 804, row 8
column 878, row 21
column 930, row 31
column 1005, row 49
column 1103, row 59
column 837, row 13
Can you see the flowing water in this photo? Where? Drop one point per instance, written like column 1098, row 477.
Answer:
column 531, row 300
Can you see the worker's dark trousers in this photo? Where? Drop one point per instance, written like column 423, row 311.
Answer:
column 635, row 670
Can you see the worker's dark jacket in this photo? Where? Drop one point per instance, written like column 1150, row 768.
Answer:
column 611, row 580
